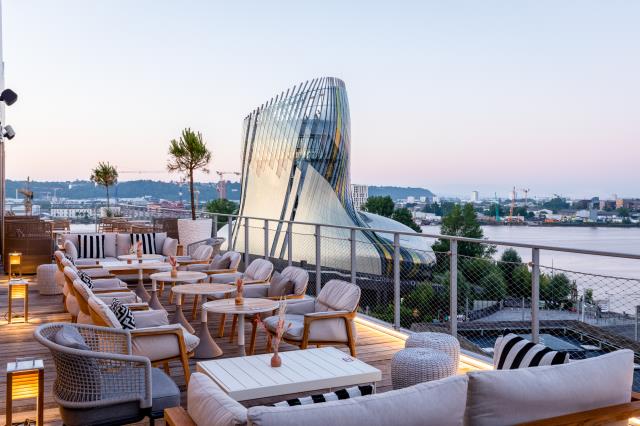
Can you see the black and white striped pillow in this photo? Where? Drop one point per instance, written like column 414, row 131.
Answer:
column 512, row 351
column 70, row 259
column 148, row 242
column 330, row 396
column 90, row 246
column 86, row 279
column 123, row 313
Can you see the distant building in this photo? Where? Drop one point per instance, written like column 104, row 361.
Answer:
column 633, row 204
column 411, row 199
column 475, row 197
column 359, row 195
column 423, row 199
column 72, row 211
column 607, row 204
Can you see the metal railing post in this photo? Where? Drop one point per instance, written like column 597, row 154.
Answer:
column 354, row 266
column 535, row 294
column 396, row 280
column 266, row 239
column 318, row 261
column 289, row 243
column 453, row 288
column 246, row 242
column 230, row 233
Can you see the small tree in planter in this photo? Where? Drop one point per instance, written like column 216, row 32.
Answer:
column 187, row 155
column 105, row 175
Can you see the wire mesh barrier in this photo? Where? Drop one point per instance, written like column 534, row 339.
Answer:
column 472, row 288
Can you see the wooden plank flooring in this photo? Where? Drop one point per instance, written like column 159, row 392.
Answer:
column 16, row 340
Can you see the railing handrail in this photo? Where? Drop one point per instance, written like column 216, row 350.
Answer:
column 407, row 233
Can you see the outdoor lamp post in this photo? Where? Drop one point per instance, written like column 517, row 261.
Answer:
column 18, row 289
column 25, row 379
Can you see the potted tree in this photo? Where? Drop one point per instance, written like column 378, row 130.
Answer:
column 186, row 155
column 105, row 175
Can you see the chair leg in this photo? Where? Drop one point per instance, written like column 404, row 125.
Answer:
column 223, row 319
column 350, row 340
column 254, row 329
column 194, row 311
column 234, row 325
column 171, row 296
column 184, row 359
column 165, row 365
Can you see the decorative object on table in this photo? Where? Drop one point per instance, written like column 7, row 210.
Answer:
column 15, row 265
column 18, row 289
column 512, row 351
column 139, row 249
column 281, row 328
column 411, row 366
column 174, row 266
column 25, row 379
column 439, row 341
column 239, row 290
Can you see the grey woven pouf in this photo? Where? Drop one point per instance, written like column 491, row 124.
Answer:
column 417, row 365
column 439, row 341
column 46, row 279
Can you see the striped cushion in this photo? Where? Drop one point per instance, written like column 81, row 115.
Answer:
column 331, row 396
column 124, row 314
column 512, row 351
column 148, row 242
column 90, row 246
column 86, row 279
column 70, row 259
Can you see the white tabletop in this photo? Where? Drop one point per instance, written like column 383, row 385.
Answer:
column 183, row 276
column 250, row 306
column 302, row 371
column 135, row 266
column 203, row 289
column 143, row 258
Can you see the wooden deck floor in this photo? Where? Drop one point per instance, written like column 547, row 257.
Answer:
column 16, row 340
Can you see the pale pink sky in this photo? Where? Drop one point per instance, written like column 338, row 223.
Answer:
column 451, row 96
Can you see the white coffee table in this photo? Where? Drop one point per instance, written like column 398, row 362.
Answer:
column 148, row 257
column 302, row 371
column 207, row 348
column 139, row 267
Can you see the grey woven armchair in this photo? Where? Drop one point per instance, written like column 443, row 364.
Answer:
column 99, row 381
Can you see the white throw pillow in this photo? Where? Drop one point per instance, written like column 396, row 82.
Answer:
column 70, row 249
column 440, row 402
column 170, row 247
column 506, row 397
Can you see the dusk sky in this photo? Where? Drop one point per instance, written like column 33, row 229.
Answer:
column 448, row 95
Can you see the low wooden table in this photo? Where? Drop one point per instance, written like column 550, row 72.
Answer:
column 207, row 348
column 251, row 306
column 165, row 277
column 302, row 371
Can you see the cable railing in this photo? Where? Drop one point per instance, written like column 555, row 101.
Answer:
column 454, row 290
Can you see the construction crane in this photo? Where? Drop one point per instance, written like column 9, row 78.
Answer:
column 513, row 205
column 526, row 193
column 221, row 186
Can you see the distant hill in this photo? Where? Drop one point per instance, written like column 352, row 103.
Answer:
column 397, row 192
column 82, row 189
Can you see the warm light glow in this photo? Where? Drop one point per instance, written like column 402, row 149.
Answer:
column 15, row 258
column 18, row 291
column 24, row 385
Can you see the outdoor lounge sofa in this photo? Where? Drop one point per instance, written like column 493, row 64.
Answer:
column 117, row 244
column 591, row 389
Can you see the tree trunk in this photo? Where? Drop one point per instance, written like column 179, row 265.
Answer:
column 193, row 206
column 108, row 206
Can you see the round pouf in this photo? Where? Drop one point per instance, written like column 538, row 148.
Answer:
column 417, row 365
column 439, row 341
column 46, row 279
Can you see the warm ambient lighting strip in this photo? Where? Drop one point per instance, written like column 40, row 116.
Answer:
column 474, row 362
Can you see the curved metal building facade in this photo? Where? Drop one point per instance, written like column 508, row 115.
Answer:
column 296, row 166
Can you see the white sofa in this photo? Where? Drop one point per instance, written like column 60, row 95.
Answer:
column 119, row 244
column 496, row 397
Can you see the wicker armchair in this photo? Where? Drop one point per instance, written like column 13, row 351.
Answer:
column 99, row 381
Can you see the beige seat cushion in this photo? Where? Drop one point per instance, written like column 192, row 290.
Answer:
column 207, row 404
column 506, row 397
column 326, row 330
column 226, row 278
column 440, row 402
column 160, row 347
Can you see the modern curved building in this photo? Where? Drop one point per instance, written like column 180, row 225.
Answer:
column 295, row 166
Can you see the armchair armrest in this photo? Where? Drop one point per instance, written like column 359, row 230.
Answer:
column 97, row 291
column 220, row 271
column 138, row 306
column 255, row 281
column 193, row 262
column 96, row 266
column 330, row 314
column 178, row 416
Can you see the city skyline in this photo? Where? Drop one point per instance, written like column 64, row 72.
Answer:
column 548, row 105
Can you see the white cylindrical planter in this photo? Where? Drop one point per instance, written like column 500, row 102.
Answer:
column 191, row 231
